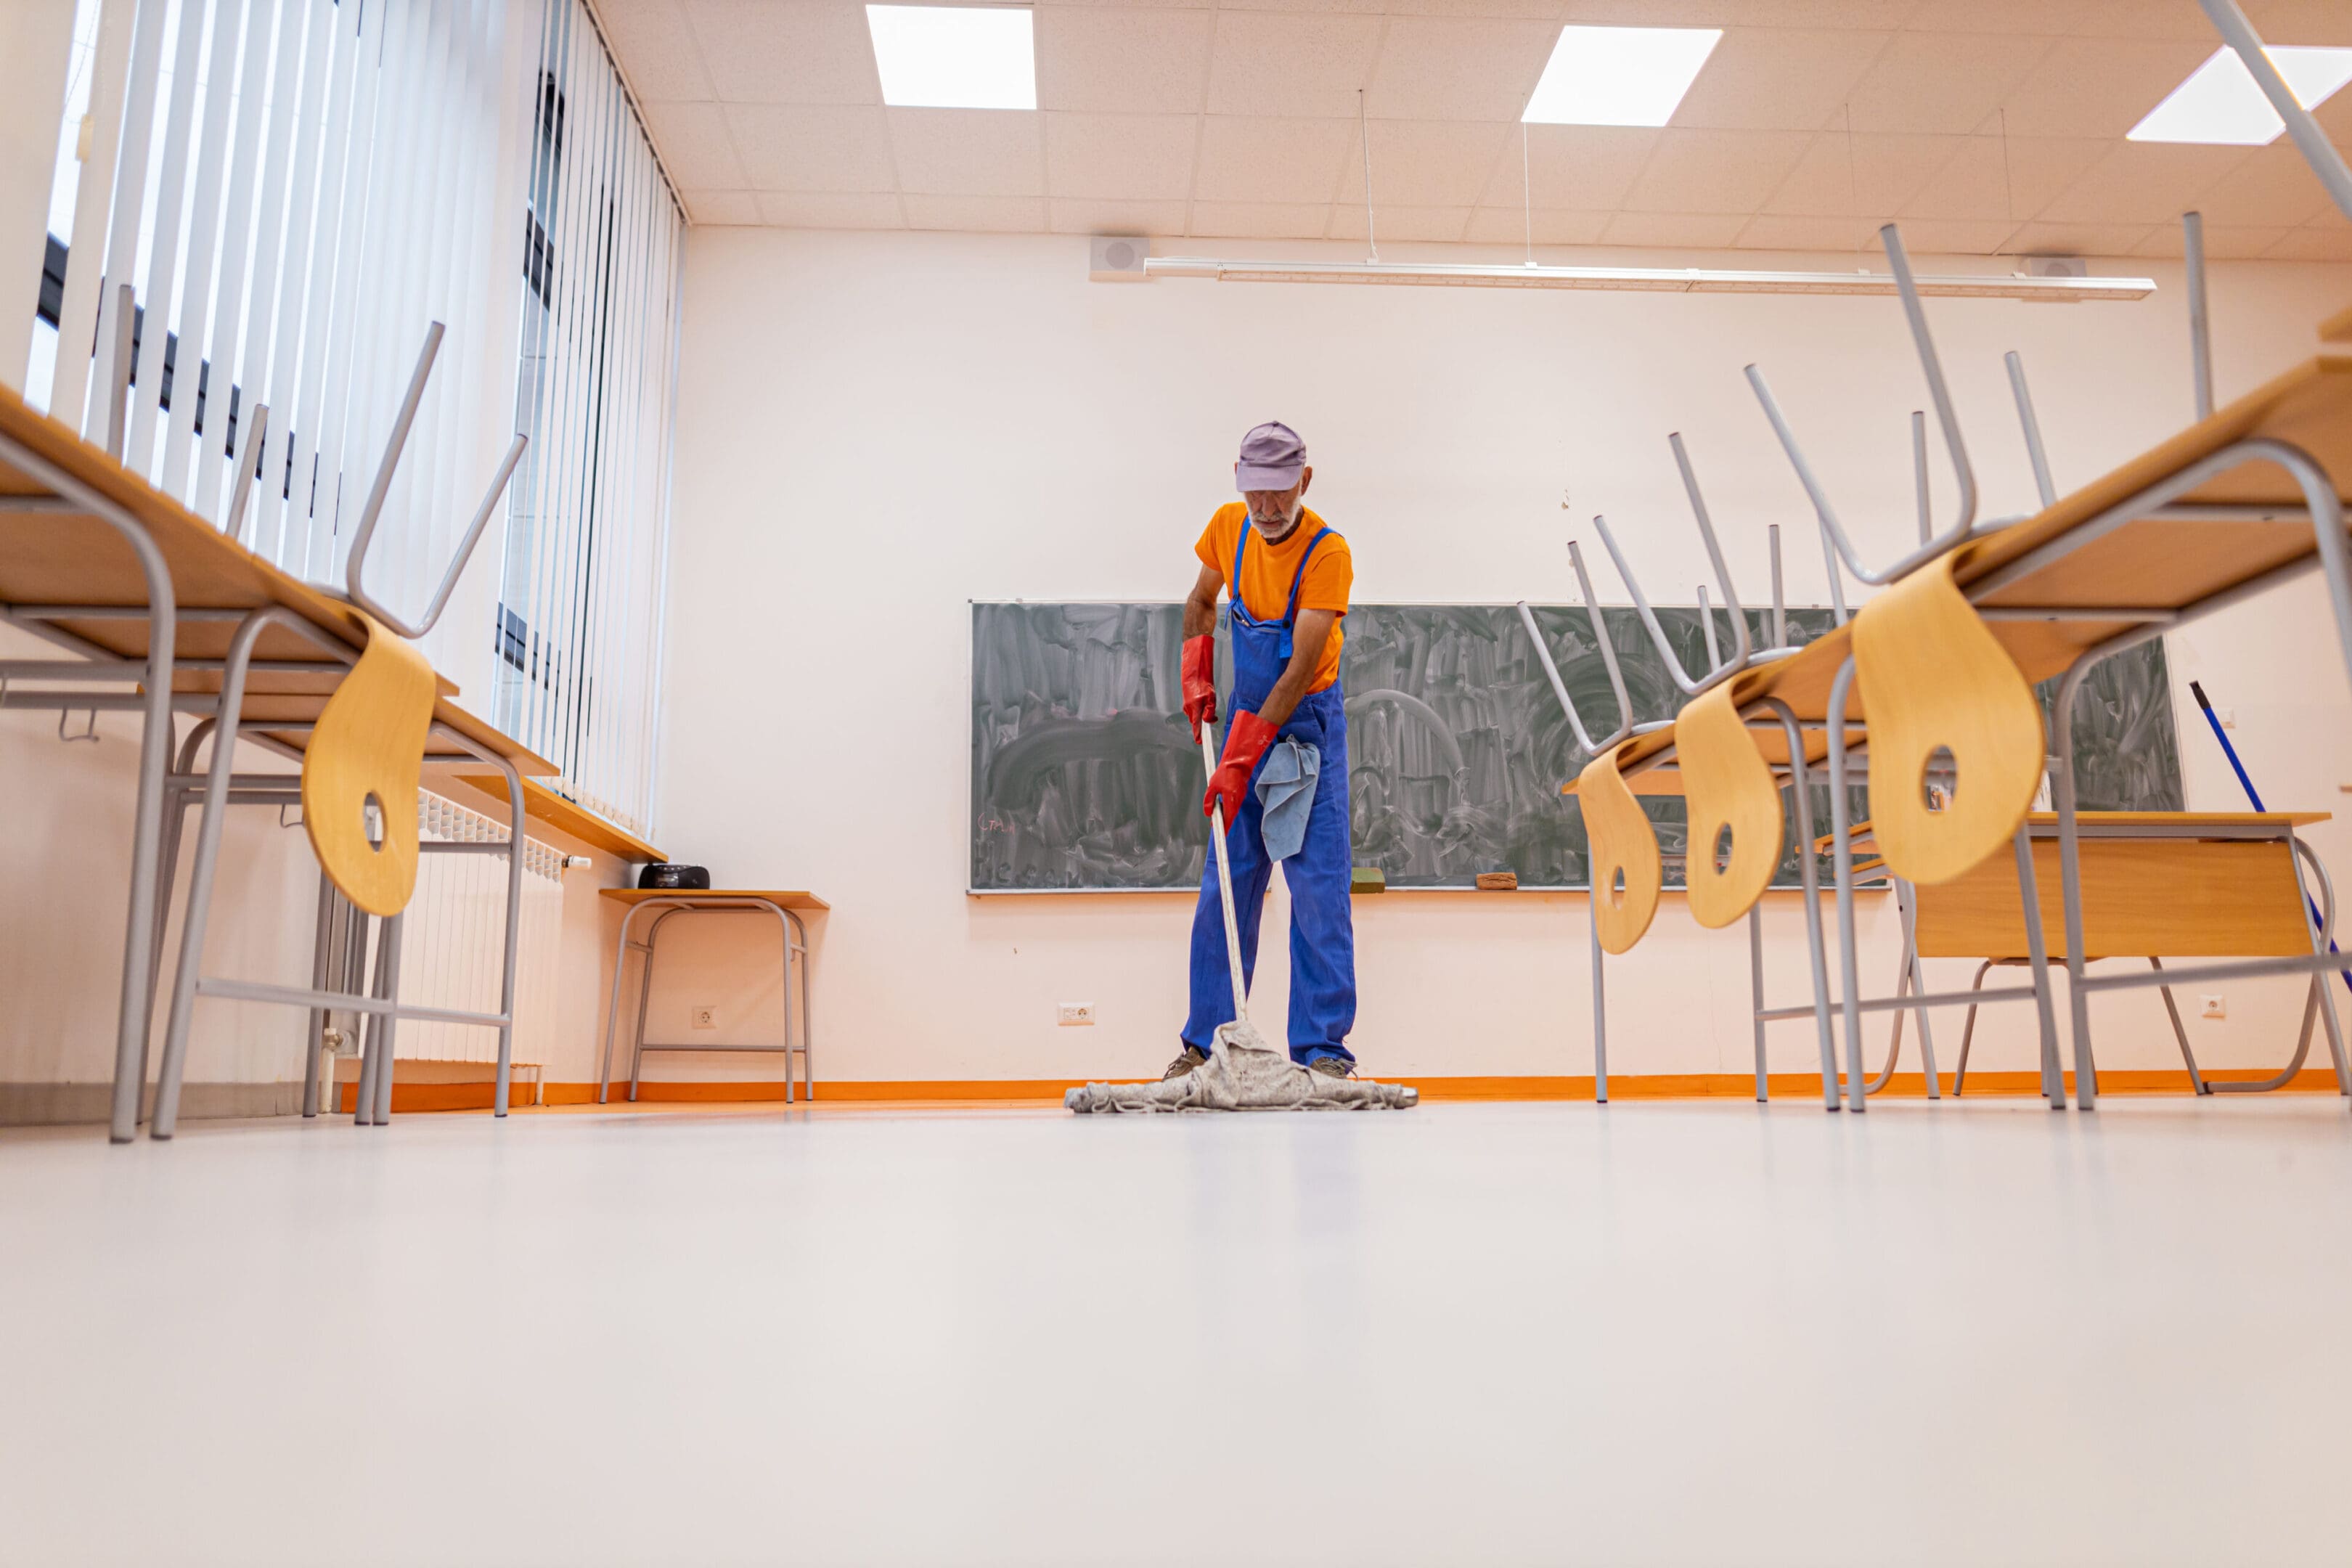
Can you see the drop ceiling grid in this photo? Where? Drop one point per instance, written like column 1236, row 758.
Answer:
column 770, row 110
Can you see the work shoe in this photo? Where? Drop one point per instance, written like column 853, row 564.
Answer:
column 1331, row 1065
column 1192, row 1057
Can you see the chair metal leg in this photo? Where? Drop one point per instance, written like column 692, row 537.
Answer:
column 387, row 1069
column 2172, row 1010
column 313, row 1038
column 370, row 1028
column 2054, row 1078
column 2070, row 879
column 1809, row 873
column 1968, row 1030
column 1842, row 844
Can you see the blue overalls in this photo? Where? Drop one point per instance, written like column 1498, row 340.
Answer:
column 1322, row 928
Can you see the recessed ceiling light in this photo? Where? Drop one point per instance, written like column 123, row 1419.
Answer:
column 955, row 56
column 2220, row 106
column 1619, row 76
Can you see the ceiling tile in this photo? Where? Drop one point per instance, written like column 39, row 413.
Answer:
column 1253, row 160
column 695, row 146
column 1950, row 236
column 1523, row 10
column 1680, row 231
column 2142, row 181
column 1581, row 168
column 830, row 209
column 2231, row 243
column 2077, row 239
column 811, row 147
column 1778, row 79
column 1991, row 178
column 1715, row 170
column 2081, row 18
column 786, row 51
column 1862, row 13
column 1773, row 232
column 1941, row 81
column 2273, row 186
column 1260, row 220
column 1863, row 175
column 1126, row 5
column 1424, row 163
column 1067, row 216
column 981, row 214
column 1452, row 69
column 968, row 152
column 1268, row 62
column 2313, row 245
column 1123, row 61
column 1507, row 225
column 2097, row 87
column 655, row 49
column 1125, row 157
column 1400, row 223
column 722, row 208
column 2300, row 21
column 1318, row 7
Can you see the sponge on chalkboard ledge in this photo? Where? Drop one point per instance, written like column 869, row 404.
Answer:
column 1499, row 881
column 1367, row 880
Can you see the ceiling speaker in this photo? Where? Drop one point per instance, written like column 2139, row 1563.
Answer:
column 1117, row 258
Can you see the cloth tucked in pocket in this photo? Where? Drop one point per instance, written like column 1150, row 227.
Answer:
column 1285, row 788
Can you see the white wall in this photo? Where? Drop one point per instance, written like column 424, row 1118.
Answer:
column 875, row 429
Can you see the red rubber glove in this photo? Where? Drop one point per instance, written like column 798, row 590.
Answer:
column 1245, row 743
column 1201, row 681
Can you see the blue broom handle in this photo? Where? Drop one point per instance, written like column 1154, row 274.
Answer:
column 2254, row 795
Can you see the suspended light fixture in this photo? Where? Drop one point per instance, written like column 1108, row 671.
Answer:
column 1657, row 280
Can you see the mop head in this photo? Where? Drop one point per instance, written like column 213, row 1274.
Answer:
column 1244, row 1073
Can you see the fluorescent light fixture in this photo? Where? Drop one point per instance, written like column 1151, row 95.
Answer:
column 1654, row 279
column 2220, row 105
column 955, row 56
column 1619, row 76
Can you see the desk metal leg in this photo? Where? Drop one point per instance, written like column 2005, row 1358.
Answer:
column 1809, row 873
column 784, row 929
column 316, row 1026
column 135, row 1014
column 1600, row 1012
column 612, row 1003
column 2188, row 1057
column 808, row 1057
column 644, row 995
column 1842, row 846
column 387, row 1068
column 2322, row 998
column 2070, row 877
column 1756, row 991
column 200, row 876
column 1969, row 1030
column 2053, row 1079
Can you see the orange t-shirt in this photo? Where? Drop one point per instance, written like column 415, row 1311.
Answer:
column 1267, row 570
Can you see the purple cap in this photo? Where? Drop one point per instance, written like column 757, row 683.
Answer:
column 1272, row 459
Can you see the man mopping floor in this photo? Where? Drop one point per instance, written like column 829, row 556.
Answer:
column 1282, row 783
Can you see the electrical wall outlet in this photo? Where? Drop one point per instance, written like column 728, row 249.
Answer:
column 2211, row 1006
column 1069, row 1012
column 703, row 1016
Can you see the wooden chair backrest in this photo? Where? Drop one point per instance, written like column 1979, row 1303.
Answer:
column 1623, row 843
column 369, row 745
column 1727, row 785
column 1933, row 676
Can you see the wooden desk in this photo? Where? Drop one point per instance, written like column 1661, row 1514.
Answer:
column 785, row 906
column 553, row 809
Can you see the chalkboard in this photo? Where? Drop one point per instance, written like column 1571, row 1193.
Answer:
column 1085, row 777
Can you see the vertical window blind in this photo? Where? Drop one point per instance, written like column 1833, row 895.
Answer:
column 581, row 599
column 294, row 189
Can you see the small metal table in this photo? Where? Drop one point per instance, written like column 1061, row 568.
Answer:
column 667, row 901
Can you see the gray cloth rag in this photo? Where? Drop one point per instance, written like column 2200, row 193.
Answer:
column 1285, row 788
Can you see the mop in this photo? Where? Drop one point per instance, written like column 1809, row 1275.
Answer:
column 1242, row 1072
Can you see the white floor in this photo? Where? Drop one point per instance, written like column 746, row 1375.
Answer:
column 1658, row 1334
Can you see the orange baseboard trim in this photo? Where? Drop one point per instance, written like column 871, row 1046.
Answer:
column 1569, row 1087
column 408, row 1098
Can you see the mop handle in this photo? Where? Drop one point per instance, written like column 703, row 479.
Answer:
column 2230, row 751
column 1224, row 880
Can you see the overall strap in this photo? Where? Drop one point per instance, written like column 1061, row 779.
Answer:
column 1290, row 611
column 1233, row 583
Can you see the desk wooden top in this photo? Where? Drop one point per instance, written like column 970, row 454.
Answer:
column 2172, row 824
column 550, row 809
column 70, row 557
column 2147, row 564
column 792, row 900
column 2338, row 327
